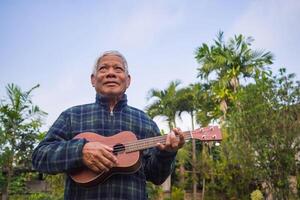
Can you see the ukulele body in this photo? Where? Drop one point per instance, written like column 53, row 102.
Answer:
column 128, row 162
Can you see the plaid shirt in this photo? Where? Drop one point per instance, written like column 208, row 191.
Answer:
column 58, row 152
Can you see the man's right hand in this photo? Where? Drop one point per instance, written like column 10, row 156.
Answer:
column 98, row 157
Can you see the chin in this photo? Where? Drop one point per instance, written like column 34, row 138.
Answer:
column 112, row 94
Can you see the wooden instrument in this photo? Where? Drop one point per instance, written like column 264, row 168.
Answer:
column 127, row 149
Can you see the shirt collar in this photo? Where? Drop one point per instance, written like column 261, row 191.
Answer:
column 103, row 101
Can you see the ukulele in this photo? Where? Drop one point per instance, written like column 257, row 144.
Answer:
column 127, row 147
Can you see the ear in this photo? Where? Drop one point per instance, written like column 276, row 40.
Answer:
column 128, row 81
column 93, row 80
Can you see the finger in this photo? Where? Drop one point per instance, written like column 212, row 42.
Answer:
column 173, row 137
column 101, row 166
column 108, row 148
column 180, row 135
column 181, row 138
column 176, row 131
column 94, row 168
column 168, row 139
column 105, row 164
column 174, row 144
column 160, row 146
column 173, row 140
column 109, row 156
column 94, row 164
column 173, row 134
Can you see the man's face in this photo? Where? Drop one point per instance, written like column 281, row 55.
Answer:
column 111, row 78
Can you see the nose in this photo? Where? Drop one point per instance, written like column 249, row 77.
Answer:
column 111, row 72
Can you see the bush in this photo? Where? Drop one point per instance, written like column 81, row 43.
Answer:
column 257, row 195
column 34, row 196
column 154, row 191
column 177, row 193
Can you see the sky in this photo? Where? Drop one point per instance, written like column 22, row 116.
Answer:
column 55, row 43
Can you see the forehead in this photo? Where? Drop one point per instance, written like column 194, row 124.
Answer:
column 110, row 59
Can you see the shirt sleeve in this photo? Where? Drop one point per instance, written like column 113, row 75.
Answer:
column 57, row 152
column 158, row 165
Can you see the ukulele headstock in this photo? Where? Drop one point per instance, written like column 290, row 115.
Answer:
column 210, row 133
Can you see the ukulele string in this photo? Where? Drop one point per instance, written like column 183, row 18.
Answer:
column 139, row 143
column 145, row 143
column 148, row 142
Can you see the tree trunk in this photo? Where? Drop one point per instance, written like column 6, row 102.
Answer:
column 194, row 175
column 203, row 180
column 203, row 188
column 5, row 193
column 181, row 172
column 4, row 196
column 9, row 170
column 5, row 190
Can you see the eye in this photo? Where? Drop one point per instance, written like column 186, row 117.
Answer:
column 119, row 69
column 102, row 68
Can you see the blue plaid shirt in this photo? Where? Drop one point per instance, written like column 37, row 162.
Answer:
column 59, row 153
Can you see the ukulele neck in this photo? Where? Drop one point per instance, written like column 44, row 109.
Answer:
column 151, row 142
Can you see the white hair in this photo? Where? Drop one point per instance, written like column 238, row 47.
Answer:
column 114, row 53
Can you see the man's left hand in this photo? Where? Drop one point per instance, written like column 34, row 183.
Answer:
column 175, row 140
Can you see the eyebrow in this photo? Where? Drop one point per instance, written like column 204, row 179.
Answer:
column 114, row 66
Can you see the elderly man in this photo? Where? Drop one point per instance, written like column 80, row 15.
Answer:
column 60, row 152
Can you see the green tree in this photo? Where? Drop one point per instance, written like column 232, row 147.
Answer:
column 192, row 100
column 222, row 65
column 227, row 62
column 20, row 121
column 57, row 185
column 164, row 103
column 267, row 125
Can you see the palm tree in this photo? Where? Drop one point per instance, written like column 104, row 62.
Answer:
column 195, row 100
column 163, row 104
column 187, row 101
column 19, row 125
column 227, row 63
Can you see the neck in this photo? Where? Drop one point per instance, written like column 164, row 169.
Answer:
column 111, row 101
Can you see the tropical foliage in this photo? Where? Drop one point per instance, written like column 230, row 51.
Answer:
column 20, row 121
column 259, row 119
column 163, row 103
column 227, row 63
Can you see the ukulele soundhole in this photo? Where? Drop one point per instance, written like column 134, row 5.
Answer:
column 118, row 148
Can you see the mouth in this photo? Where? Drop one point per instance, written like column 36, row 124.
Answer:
column 111, row 83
